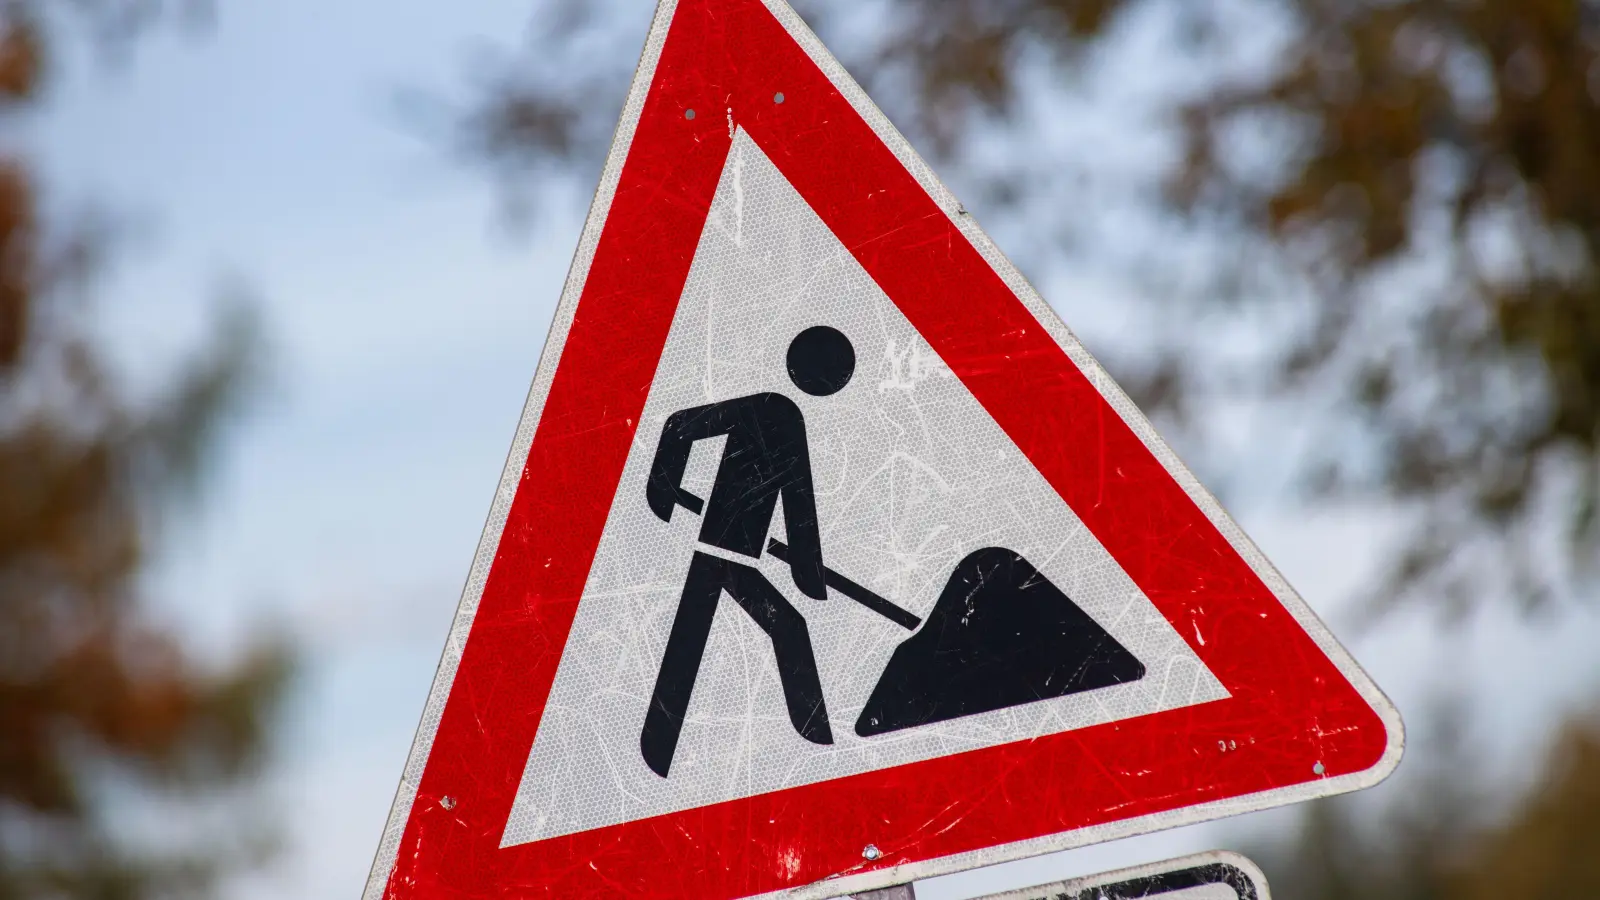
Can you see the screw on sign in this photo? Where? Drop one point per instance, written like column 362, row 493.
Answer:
column 825, row 558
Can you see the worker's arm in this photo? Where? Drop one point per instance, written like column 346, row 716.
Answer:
column 800, row 523
column 664, row 490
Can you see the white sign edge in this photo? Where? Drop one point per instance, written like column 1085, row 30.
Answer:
column 622, row 142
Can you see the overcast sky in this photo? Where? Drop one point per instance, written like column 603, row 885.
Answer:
column 405, row 326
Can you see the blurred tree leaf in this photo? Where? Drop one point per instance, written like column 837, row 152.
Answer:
column 94, row 700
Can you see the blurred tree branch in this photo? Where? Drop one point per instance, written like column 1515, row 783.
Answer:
column 1468, row 134
column 92, row 695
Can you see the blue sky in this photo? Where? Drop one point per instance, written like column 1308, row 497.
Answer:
column 405, row 324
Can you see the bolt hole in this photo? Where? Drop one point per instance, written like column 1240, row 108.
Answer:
column 448, row 802
column 778, row 97
column 871, row 851
column 688, row 114
column 1318, row 769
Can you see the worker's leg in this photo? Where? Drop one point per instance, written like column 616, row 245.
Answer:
column 680, row 664
column 791, row 644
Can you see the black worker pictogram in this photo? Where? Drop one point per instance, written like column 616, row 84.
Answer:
column 999, row 635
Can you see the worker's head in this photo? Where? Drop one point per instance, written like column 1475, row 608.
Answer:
column 821, row 360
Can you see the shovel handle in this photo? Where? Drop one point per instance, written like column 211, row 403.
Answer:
column 856, row 592
column 780, row 551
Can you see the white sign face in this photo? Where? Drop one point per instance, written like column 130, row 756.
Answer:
column 911, row 475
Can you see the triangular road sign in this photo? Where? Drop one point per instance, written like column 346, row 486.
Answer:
column 826, row 558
